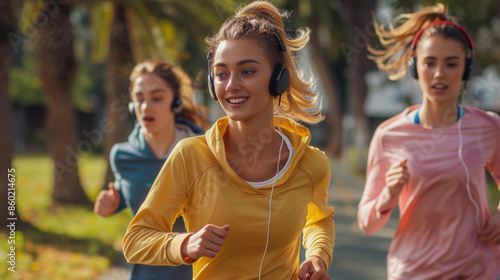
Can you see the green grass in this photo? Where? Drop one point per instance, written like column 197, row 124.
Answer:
column 62, row 243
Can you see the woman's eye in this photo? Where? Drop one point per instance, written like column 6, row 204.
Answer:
column 220, row 75
column 157, row 99
column 452, row 65
column 248, row 72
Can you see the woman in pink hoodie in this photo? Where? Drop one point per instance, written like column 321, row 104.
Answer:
column 430, row 159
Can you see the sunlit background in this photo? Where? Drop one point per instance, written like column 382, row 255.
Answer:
column 64, row 94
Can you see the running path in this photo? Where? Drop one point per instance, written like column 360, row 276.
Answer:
column 356, row 256
column 119, row 271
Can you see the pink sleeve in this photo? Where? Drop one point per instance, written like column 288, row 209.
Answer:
column 494, row 165
column 376, row 205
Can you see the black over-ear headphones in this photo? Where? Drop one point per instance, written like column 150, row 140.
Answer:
column 176, row 106
column 468, row 60
column 279, row 79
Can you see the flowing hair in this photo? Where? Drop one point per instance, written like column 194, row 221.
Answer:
column 262, row 21
column 181, row 85
column 396, row 52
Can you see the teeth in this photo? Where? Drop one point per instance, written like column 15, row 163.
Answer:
column 440, row 86
column 237, row 100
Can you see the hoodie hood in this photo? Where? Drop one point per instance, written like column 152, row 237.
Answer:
column 298, row 135
column 137, row 141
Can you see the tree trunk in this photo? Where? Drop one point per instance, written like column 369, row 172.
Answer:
column 7, row 24
column 55, row 63
column 330, row 84
column 358, row 19
column 120, row 65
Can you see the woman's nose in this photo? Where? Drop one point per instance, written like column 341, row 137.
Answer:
column 439, row 71
column 233, row 83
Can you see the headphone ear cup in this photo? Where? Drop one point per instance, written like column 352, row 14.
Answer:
column 176, row 105
column 279, row 81
column 468, row 68
column 211, row 87
column 283, row 81
column 413, row 69
column 131, row 108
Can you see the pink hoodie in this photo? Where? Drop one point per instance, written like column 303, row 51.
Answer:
column 437, row 235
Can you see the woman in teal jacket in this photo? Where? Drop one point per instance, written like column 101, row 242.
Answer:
column 162, row 102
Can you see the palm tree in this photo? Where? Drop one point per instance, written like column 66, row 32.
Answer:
column 320, row 18
column 358, row 17
column 8, row 24
column 120, row 63
column 55, row 65
column 340, row 22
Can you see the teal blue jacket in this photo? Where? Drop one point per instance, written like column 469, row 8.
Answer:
column 135, row 168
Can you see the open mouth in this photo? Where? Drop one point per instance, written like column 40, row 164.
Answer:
column 148, row 119
column 439, row 86
column 237, row 100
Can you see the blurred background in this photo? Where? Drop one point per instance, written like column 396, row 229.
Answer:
column 64, row 67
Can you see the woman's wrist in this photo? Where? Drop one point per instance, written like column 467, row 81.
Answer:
column 187, row 259
column 184, row 251
column 392, row 191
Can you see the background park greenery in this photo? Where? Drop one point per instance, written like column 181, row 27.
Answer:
column 69, row 60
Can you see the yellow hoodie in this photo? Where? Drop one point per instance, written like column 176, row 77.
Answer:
column 198, row 183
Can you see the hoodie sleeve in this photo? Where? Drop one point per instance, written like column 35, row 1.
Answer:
column 376, row 205
column 319, row 231
column 149, row 238
column 113, row 158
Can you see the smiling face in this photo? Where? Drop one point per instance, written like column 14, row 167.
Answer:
column 440, row 66
column 242, row 72
column 152, row 98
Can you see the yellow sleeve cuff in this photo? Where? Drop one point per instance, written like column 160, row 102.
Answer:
column 174, row 254
column 323, row 255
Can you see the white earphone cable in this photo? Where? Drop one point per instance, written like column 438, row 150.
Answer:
column 460, row 157
column 272, row 190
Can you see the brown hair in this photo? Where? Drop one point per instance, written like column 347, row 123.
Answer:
column 263, row 21
column 396, row 52
column 179, row 82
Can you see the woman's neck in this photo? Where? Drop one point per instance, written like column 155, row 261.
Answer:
column 161, row 142
column 252, row 142
column 435, row 116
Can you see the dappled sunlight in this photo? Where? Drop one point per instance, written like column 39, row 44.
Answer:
column 85, row 242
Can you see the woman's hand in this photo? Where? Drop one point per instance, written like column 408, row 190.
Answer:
column 491, row 233
column 107, row 201
column 207, row 242
column 396, row 177
column 313, row 268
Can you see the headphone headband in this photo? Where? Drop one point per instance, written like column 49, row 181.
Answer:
column 282, row 49
column 281, row 45
column 444, row 22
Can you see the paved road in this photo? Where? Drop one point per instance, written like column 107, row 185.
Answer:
column 356, row 256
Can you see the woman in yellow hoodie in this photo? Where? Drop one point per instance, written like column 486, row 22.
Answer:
column 251, row 185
